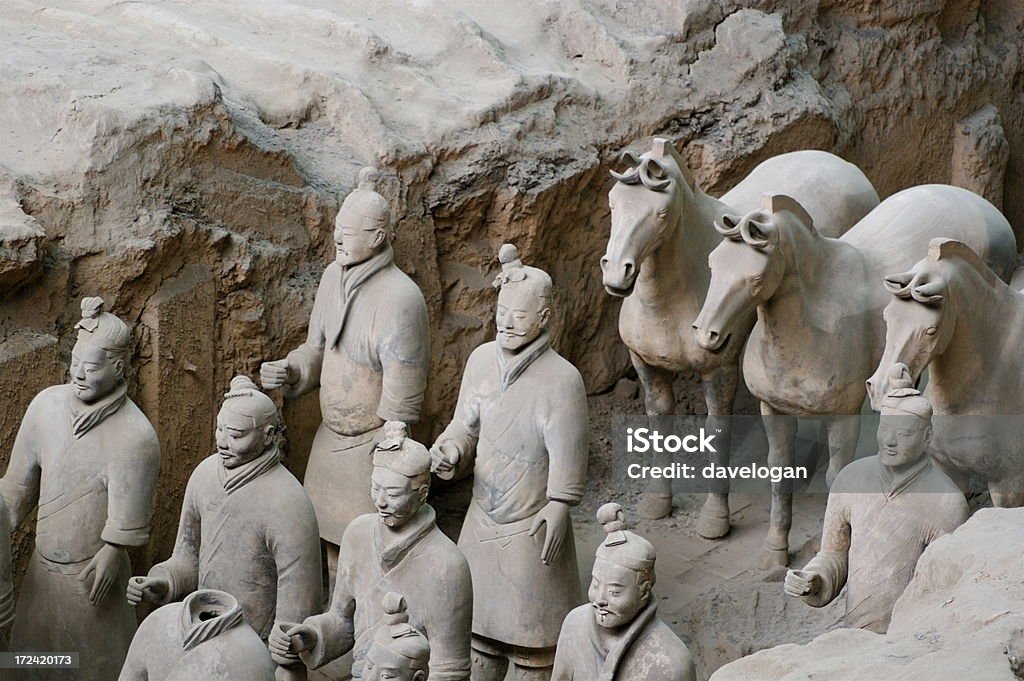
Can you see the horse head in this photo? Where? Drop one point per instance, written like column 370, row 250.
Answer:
column 746, row 268
column 646, row 207
column 919, row 322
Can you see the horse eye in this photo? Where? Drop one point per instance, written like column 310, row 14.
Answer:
column 932, row 330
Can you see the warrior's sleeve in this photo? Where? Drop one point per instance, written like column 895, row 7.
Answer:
column 950, row 513
column 335, row 629
column 131, row 479
column 295, row 545
column 6, row 583
column 566, row 648
column 565, row 437
column 449, row 631
column 143, row 645
column 464, row 430
column 307, row 359
column 20, row 484
column 181, row 570
column 404, row 352
column 832, row 561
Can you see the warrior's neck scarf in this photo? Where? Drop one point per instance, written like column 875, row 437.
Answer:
column 618, row 651
column 205, row 615
column 352, row 278
column 512, row 365
column 85, row 417
column 233, row 479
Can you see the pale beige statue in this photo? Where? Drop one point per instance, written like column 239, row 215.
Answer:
column 246, row 527
column 399, row 651
column 882, row 512
column 367, row 352
column 954, row 316
column 820, row 329
column 398, row 548
column 203, row 638
column 89, row 459
column 520, row 426
column 661, row 235
column 618, row 635
column 6, row 581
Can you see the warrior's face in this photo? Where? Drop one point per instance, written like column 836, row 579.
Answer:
column 521, row 315
column 902, row 438
column 616, row 593
column 383, row 663
column 93, row 373
column 396, row 496
column 239, row 439
column 357, row 238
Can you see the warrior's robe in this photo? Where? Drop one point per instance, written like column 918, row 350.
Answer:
column 418, row 561
column 249, row 531
column 647, row 650
column 367, row 350
column 175, row 644
column 524, row 415
column 877, row 525
column 6, row 582
column 92, row 468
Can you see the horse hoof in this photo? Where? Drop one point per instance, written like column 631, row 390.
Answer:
column 654, row 506
column 773, row 558
column 712, row 526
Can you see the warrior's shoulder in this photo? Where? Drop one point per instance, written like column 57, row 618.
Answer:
column 137, row 425
column 359, row 533
column 54, row 397
column 671, row 648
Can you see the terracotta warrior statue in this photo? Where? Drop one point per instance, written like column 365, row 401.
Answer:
column 89, row 458
column 618, row 636
column 520, row 426
column 399, row 652
column 6, row 581
column 882, row 512
column 399, row 548
column 367, row 351
column 247, row 526
column 203, row 637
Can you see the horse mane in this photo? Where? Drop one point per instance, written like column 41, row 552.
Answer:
column 944, row 249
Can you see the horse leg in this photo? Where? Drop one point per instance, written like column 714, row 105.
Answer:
column 843, row 432
column 659, row 400
column 781, row 431
column 719, row 394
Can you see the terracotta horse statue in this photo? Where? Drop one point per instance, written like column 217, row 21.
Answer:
column 657, row 260
column 819, row 331
column 955, row 316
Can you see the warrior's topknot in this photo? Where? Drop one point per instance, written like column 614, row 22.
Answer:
column 611, row 517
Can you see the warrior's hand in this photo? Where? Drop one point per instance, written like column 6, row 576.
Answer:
column 103, row 569
column 556, row 516
column 149, row 589
column 273, row 375
column 802, row 583
column 288, row 639
column 444, row 457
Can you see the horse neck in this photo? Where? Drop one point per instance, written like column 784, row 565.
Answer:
column 677, row 272
column 807, row 255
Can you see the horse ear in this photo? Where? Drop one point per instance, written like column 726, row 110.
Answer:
column 773, row 203
column 930, row 292
column 897, row 284
column 661, row 147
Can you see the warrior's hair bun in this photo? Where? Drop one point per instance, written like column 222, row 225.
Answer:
column 368, row 177
column 92, row 307
column 611, row 517
column 395, row 610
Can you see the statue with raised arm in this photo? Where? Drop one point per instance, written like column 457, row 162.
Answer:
column 520, row 426
column 882, row 512
column 89, row 458
column 367, row 352
column 399, row 548
column 618, row 636
column 399, row 651
column 246, row 527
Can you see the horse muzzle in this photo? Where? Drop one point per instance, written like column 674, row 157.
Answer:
column 710, row 339
column 619, row 278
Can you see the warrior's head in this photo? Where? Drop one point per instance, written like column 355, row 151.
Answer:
column 401, row 476
column 524, row 295
column 247, row 424
column 100, row 354
column 905, row 426
column 399, row 650
column 623, row 573
column 363, row 225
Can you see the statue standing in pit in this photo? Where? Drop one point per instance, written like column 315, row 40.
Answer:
column 367, row 351
column 247, row 526
column 618, row 636
column 520, row 426
column 882, row 512
column 90, row 458
column 399, row 548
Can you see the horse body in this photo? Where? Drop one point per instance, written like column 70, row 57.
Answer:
column 656, row 260
column 952, row 314
column 819, row 302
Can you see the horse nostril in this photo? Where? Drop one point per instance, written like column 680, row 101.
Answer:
column 604, row 262
column 712, row 336
column 628, row 266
